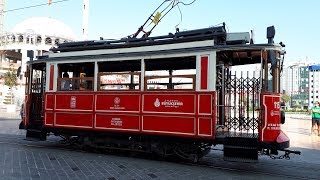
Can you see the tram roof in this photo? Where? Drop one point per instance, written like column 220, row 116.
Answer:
column 213, row 38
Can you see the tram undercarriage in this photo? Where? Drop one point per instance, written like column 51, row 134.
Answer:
column 162, row 147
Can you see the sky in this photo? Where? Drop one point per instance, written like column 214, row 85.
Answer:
column 296, row 21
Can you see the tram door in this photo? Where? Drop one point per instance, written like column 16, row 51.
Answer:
column 35, row 94
column 238, row 101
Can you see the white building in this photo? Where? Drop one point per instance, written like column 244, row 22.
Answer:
column 295, row 80
column 314, row 81
column 38, row 34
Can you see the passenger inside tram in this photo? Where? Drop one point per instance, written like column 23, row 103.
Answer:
column 65, row 83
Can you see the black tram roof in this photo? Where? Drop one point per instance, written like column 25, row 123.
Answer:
column 218, row 34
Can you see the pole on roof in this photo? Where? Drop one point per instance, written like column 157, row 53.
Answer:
column 85, row 19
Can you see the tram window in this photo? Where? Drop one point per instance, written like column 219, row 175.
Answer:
column 76, row 77
column 38, row 78
column 119, row 75
column 170, row 74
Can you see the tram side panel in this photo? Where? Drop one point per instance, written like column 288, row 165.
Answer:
column 183, row 114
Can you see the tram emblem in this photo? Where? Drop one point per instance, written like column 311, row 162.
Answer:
column 168, row 103
column 156, row 103
column 116, row 100
column 116, row 105
column 73, row 102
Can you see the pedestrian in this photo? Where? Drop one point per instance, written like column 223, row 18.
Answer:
column 22, row 111
column 315, row 117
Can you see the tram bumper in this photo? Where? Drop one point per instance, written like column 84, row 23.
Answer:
column 282, row 142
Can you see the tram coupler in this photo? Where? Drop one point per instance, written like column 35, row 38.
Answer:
column 286, row 154
column 293, row 152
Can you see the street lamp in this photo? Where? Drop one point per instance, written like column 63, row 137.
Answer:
column 291, row 87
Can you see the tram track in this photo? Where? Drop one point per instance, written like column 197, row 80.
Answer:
column 56, row 145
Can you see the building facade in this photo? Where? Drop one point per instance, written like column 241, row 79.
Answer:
column 314, row 81
column 36, row 35
column 296, row 85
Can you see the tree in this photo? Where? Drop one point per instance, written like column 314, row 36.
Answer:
column 285, row 98
column 10, row 80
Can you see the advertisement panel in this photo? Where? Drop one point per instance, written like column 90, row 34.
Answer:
column 118, row 102
column 169, row 103
column 117, row 122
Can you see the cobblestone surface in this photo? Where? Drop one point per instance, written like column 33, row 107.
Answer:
column 6, row 115
column 27, row 162
column 21, row 159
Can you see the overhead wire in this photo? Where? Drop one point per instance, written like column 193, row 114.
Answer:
column 187, row 4
column 181, row 16
column 33, row 6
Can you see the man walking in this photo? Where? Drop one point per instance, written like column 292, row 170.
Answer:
column 315, row 117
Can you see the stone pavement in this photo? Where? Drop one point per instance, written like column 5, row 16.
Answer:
column 20, row 159
column 5, row 115
column 18, row 162
column 298, row 128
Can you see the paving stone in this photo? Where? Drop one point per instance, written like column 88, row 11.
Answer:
column 26, row 162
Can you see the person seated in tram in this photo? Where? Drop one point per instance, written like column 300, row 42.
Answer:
column 65, row 83
column 83, row 82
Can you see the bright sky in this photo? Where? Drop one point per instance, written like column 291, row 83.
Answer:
column 296, row 21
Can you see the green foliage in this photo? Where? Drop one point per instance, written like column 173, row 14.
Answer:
column 10, row 77
column 285, row 98
column 10, row 80
column 297, row 110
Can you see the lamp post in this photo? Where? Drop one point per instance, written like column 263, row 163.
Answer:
column 291, row 88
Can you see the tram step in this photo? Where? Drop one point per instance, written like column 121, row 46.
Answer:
column 36, row 134
column 240, row 149
column 237, row 159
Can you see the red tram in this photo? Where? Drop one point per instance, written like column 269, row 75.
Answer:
column 169, row 95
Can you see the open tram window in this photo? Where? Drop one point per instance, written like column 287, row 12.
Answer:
column 119, row 75
column 178, row 73
column 76, row 77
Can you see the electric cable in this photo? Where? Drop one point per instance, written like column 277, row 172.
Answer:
column 187, row 4
column 33, row 6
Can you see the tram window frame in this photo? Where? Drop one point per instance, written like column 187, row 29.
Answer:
column 123, row 75
column 168, row 70
column 82, row 76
